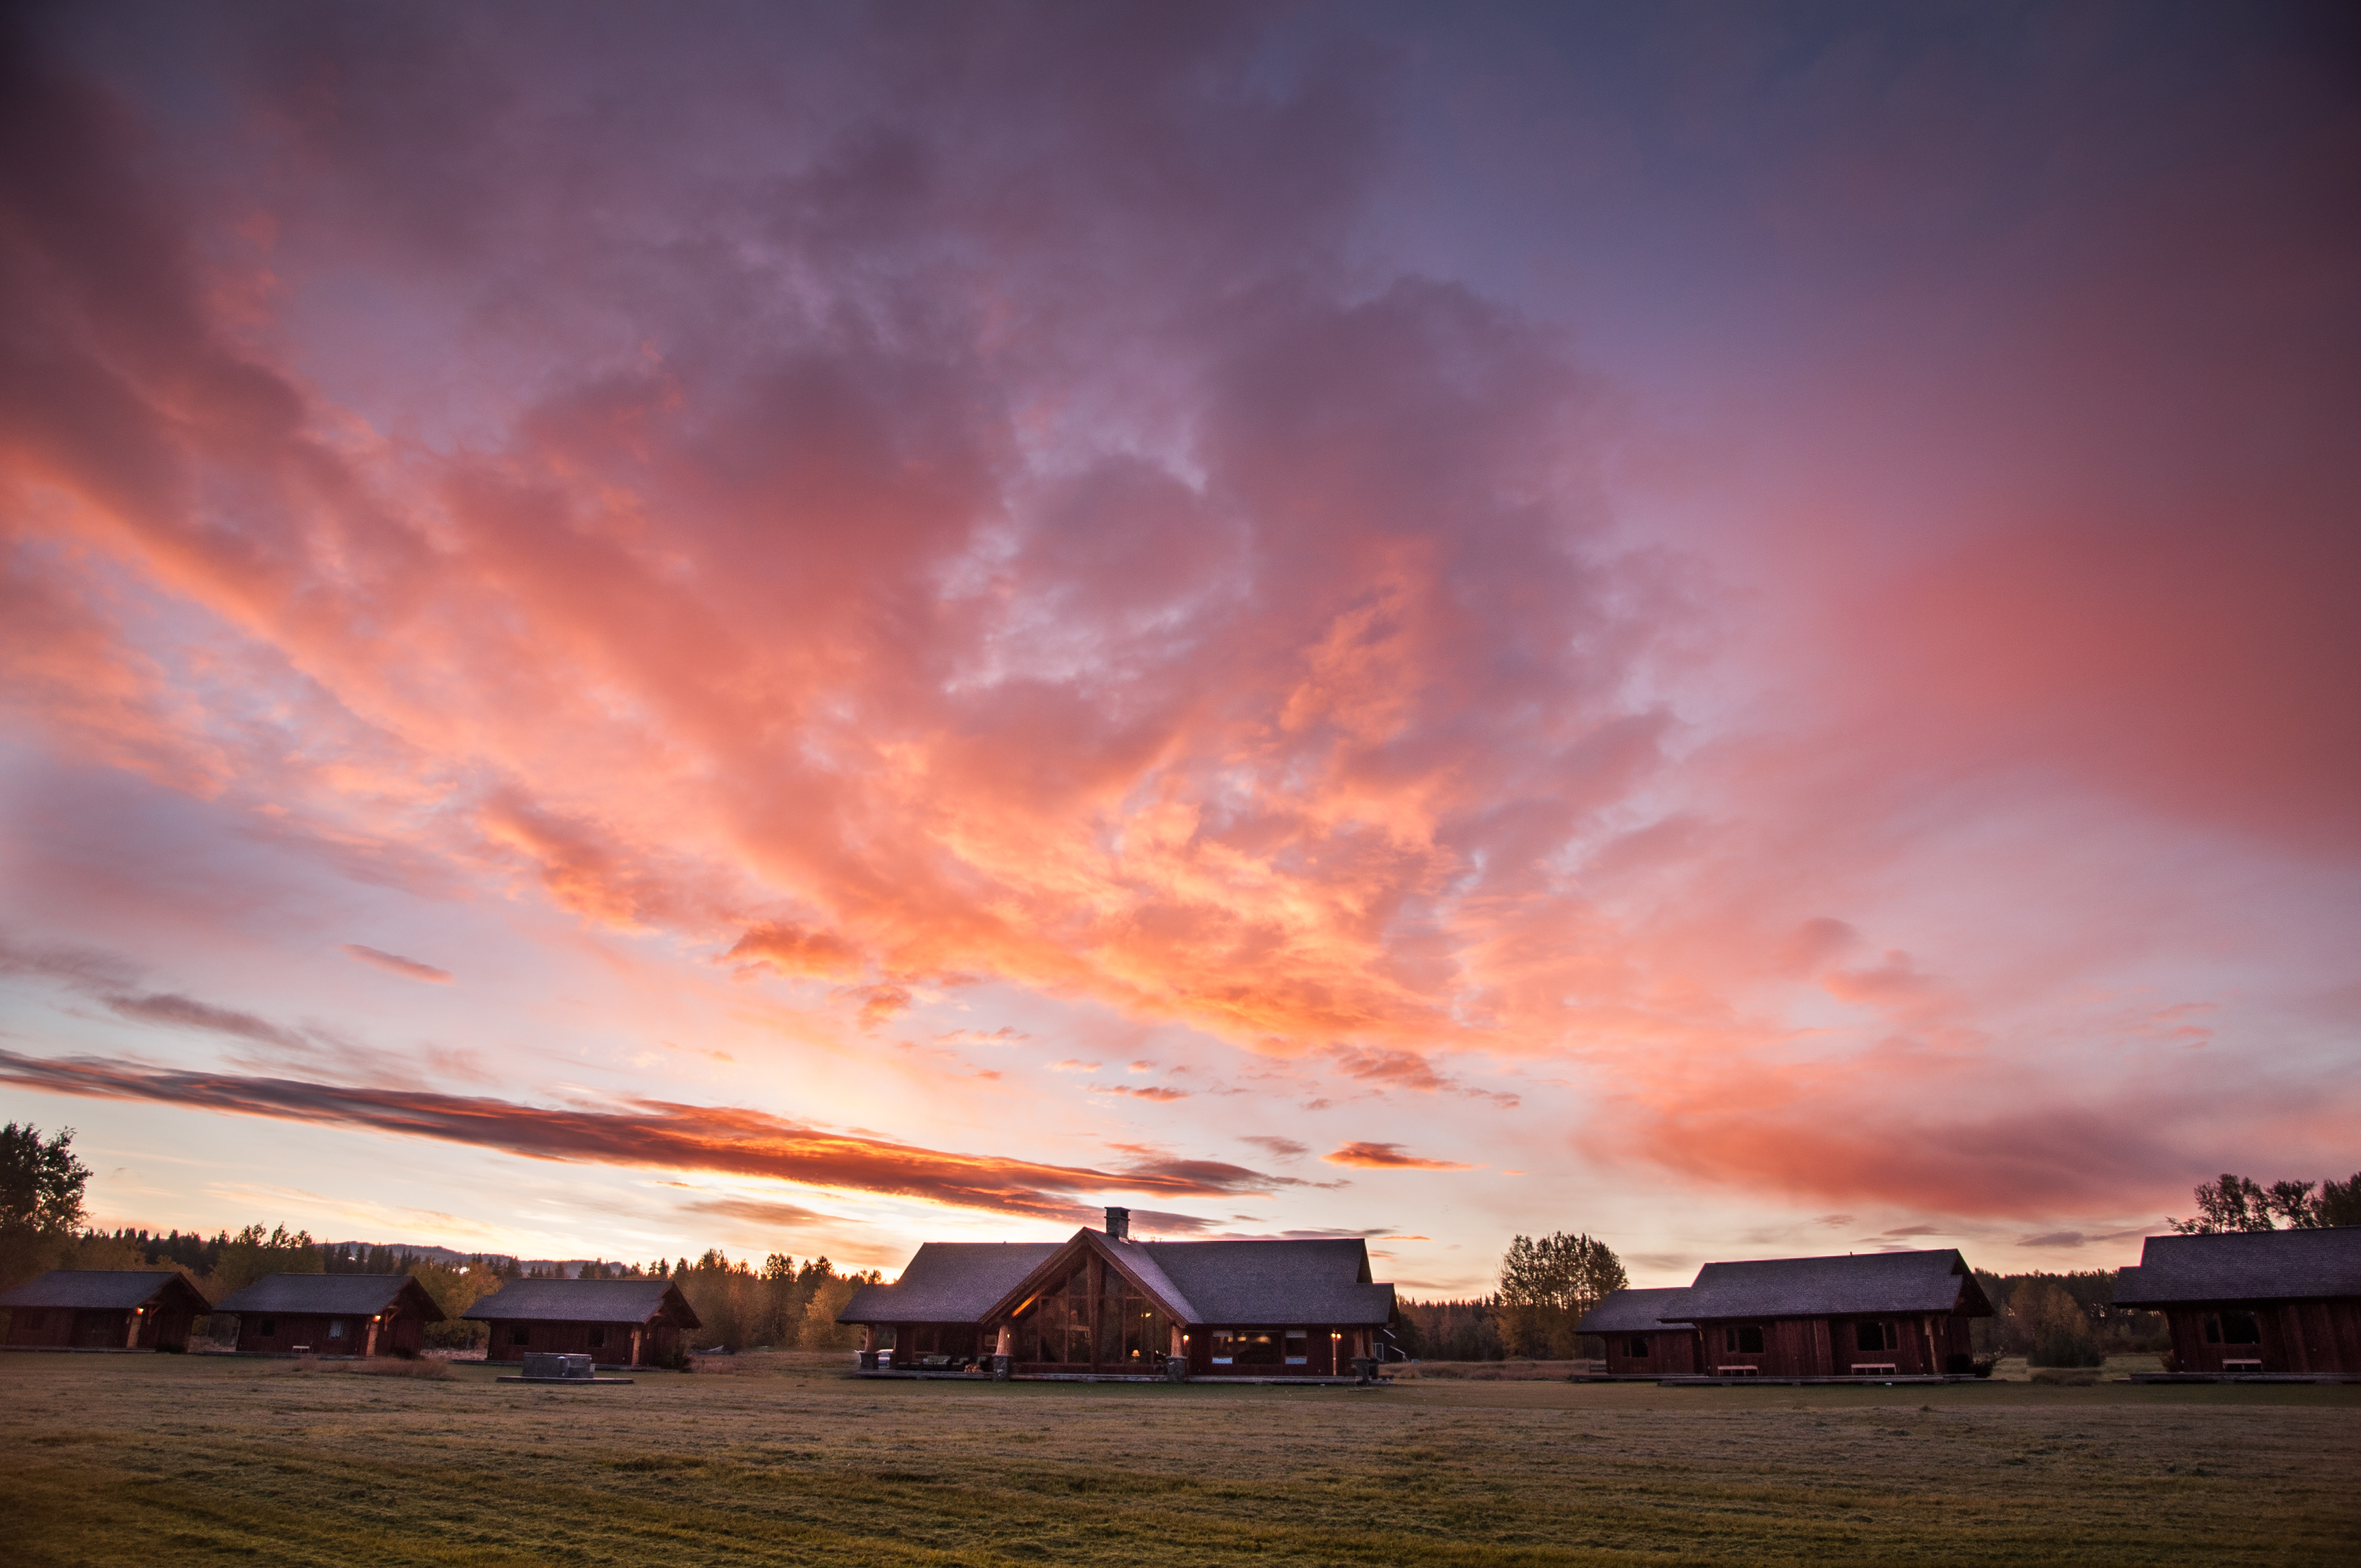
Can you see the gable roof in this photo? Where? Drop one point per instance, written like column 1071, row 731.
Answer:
column 949, row 1282
column 102, row 1290
column 1275, row 1282
column 356, row 1294
column 586, row 1302
column 2251, row 1266
column 1936, row 1280
column 1272, row 1283
column 1637, row 1313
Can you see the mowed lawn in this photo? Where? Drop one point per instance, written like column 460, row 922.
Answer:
column 167, row 1460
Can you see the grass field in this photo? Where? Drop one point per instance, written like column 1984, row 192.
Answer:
column 165, row 1459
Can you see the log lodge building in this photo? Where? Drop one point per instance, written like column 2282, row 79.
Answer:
column 103, row 1309
column 615, row 1323
column 332, row 1314
column 1877, row 1315
column 2254, row 1304
column 1101, row 1305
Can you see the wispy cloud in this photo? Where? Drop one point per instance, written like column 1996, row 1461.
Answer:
column 393, row 963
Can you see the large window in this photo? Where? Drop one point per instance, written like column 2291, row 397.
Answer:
column 1247, row 1347
column 1746, row 1341
column 1636, row 1347
column 1870, row 1334
column 1298, row 1348
column 1065, row 1326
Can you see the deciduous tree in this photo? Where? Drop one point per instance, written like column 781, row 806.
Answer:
column 2239, row 1203
column 41, row 1186
column 1547, row 1284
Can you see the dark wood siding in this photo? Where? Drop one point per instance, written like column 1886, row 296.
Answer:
column 102, row 1328
column 2297, row 1338
column 608, row 1345
column 1912, row 1345
column 1663, row 1353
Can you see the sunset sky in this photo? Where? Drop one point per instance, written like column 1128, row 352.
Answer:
column 808, row 627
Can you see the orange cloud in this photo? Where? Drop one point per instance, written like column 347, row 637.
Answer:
column 1387, row 1156
column 795, row 949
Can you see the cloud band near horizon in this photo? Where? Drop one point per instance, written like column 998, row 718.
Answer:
column 651, row 1133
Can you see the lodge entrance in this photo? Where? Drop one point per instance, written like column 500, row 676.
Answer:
column 1091, row 1320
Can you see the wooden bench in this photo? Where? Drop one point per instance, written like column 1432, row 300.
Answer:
column 1869, row 1368
column 2242, row 1365
column 1738, row 1372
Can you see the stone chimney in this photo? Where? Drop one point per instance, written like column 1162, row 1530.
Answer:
column 1118, row 1226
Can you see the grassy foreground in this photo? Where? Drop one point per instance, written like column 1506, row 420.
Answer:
column 191, row 1459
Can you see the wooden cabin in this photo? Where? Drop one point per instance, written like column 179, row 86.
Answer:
column 1895, row 1314
column 616, row 1322
column 1648, row 1334
column 105, row 1308
column 1103, row 1305
column 2256, row 1303
column 333, row 1314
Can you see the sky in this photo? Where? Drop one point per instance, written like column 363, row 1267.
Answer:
column 803, row 629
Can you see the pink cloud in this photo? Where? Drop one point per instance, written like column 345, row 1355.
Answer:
column 392, row 964
column 980, row 501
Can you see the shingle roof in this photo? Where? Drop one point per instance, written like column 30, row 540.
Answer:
column 583, row 1302
column 98, row 1289
column 949, row 1282
column 1637, row 1313
column 2256, row 1266
column 359, row 1295
column 1272, row 1283
column 1930, row 1281
column 1238, row 1283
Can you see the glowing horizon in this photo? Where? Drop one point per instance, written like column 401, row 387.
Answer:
column 1728, row 631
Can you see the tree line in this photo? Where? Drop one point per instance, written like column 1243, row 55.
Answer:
column 782, row 1304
